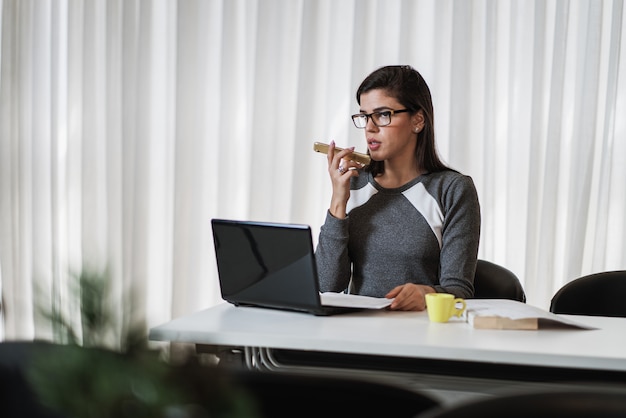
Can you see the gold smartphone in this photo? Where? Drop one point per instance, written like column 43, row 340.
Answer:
column 355, row 156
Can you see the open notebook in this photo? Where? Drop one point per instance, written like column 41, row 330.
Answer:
column 272, row 265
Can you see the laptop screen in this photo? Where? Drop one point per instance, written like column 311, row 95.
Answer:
column 266, row 264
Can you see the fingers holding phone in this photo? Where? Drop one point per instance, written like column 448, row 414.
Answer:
column 342, row 165
column 341, row 160
column 358, row 157
column 348, row 159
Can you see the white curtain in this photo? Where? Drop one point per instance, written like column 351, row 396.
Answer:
column 126, row 125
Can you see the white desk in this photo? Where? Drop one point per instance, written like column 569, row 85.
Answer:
column 410, row 336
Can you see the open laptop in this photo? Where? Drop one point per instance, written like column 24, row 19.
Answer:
column 272, row 265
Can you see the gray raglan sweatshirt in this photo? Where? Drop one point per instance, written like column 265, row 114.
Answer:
column 425, row 232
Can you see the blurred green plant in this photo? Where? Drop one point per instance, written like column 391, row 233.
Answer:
column 101, row 318
column 95, row 374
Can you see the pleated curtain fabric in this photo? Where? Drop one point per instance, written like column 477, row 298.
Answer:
column 126, row 125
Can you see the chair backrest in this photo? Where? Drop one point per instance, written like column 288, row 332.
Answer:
column 582, row 402
column 598, row 294
column 291, row 394
column 493, row 281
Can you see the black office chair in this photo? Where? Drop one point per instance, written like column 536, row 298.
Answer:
column 17, row 398
column 288, row 394
column 493, row 281
column 589, row 402
column 598, row 294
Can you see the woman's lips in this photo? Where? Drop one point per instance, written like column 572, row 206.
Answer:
column 373, row 145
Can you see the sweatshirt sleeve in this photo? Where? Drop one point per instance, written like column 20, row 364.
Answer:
column 461, row 235
column 331, row 255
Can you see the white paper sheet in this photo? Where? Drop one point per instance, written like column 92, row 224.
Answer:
column 353, row 301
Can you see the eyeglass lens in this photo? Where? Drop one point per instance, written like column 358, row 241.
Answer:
column 379, row 118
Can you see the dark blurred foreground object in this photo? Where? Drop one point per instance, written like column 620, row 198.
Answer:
column 493, row 281
column 42, row 380
column 592, row 402
column 17, row 398
column 598, row 294
column 284, row 394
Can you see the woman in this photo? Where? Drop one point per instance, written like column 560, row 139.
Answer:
column 406, row 224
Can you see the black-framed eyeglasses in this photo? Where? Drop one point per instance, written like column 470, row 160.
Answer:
column 382, row 118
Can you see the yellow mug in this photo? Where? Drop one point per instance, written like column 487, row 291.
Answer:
column 443, row 306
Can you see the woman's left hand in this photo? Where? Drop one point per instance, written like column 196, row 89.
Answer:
column 409, row 297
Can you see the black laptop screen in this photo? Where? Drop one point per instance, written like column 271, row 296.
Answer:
column 265, row 263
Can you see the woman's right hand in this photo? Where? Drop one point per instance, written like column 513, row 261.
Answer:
column 340, row 172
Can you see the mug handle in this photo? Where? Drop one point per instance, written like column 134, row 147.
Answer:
column 459, row 311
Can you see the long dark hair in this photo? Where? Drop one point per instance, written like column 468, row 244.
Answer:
column 408, row 87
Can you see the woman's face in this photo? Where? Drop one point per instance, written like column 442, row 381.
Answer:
column 393, row 141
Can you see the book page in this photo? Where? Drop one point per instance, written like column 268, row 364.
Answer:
column 353, row 301
column 513, row 311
